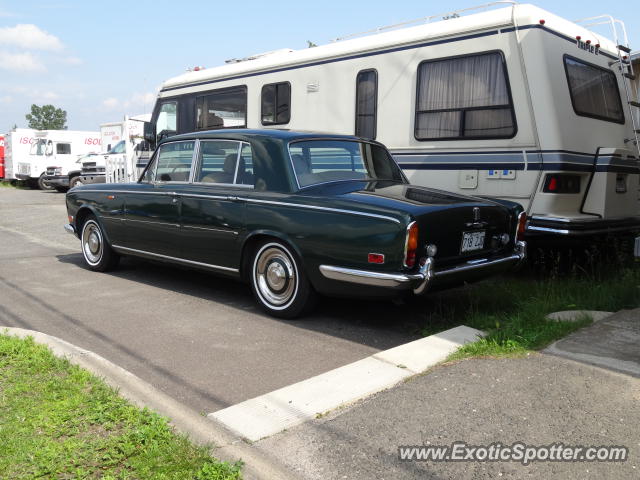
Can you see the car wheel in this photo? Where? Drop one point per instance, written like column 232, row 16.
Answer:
column 75, row 181
column 279, row 283
column 97, row 253
column 42, row 185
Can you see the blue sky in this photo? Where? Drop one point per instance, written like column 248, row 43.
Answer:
column 101, row 60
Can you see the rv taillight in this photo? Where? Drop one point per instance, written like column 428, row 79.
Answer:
column 542, row 22
column 411, row 245
column 561, row 183
column 522, row 223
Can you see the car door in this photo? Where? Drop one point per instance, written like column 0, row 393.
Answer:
column 152, row 212
column 212, row 210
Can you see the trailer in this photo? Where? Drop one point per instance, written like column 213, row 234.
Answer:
column 511, row 103
column 1, row 156
column 53, row 154
column 17, row 144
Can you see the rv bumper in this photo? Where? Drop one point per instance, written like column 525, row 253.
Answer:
column 428, row 274
column 539, row 226
column 22, row 176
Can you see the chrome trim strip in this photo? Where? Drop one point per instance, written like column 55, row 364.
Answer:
column 151, row 222
column 210, row 197
column 211, row 229
column 254, row 200
column 175, row 259
column 326, row 209
column 548, row 230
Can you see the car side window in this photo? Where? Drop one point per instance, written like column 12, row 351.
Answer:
column 173, row 163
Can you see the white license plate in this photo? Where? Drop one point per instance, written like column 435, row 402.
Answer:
column 472, row 241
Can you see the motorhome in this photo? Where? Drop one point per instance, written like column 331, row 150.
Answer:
column 56, row 151
column 17, row 144
column 511, row 102
column 123, row 153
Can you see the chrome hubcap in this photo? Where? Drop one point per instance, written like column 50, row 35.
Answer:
column 275, row 276
column 92, row 242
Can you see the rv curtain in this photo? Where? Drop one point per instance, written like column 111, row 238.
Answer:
column 464, row 97
column 594, row 91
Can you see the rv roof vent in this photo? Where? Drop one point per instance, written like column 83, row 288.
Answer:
column 260, row 55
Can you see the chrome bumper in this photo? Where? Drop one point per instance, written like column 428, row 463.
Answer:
column 70, row 229
column 418, row 282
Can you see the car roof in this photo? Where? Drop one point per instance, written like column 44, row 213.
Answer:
column 247, row 134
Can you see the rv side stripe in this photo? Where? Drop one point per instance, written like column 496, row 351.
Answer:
column 536, row 160
column 382, row 52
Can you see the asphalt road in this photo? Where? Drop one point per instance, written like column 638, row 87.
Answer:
column 200, row 339
column 537, row 400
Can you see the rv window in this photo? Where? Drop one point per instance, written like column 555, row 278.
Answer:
column 174, row 162
column 167, row 118
column 225, row 108
column 276, row 103
column 366, row 103
column 63, row 148
column 464, row 98
column 594, row 91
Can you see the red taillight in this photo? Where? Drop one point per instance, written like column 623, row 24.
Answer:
column 561, row 183
column 411, row 245
column 376, row 258
column 522, row 223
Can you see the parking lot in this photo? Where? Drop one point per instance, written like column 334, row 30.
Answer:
column 200, row 339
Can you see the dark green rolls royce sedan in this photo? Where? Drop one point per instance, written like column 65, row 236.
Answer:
column 295, row 214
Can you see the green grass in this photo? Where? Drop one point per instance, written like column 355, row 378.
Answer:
column 59, row 421
column 512, row 309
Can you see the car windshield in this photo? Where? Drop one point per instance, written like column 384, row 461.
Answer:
column 322, row 161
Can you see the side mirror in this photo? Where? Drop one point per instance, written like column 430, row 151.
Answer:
column 150, row 133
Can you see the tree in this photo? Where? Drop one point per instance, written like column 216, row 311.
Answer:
column 47, row 117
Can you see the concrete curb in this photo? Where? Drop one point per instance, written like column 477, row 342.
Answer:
column 201, row 430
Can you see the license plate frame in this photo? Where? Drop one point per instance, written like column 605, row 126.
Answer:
column 472, row 241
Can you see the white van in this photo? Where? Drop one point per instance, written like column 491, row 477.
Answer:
column 56, row 152
column 513, row 103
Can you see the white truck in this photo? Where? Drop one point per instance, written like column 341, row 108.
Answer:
column 123, row 152
column 55, row 151
column 17, row 144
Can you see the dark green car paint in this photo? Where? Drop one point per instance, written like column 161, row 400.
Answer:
column 337, row 223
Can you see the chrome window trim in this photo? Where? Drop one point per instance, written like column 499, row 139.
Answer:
column 175, row 259
column 193, row 157
column 359, row 141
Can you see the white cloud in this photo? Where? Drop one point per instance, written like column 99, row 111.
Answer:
column 71, row 60
column 20, row 62
column 5, row 14
column 137, row 100
column 111, row 103
column 6, row 99
column 47, row 95
column 29, row 36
